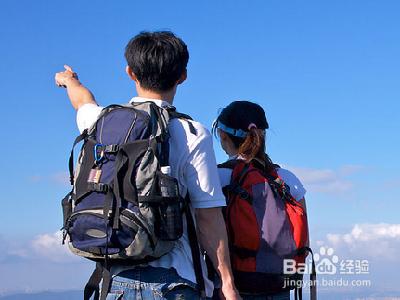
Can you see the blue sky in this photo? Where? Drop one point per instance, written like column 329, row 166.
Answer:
column 326, row 72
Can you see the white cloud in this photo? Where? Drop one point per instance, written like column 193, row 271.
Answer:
column 35, row 178
column 378, row 241
column 12, row 250
column 44, row 247
column 323, row 180
column 40, row 263
column 326, row 180
column 50, row 246
column 350, row 169
column 58, row 177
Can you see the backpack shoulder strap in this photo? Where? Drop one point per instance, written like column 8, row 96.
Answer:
column 243, row 166
column 173, row 114
column 278, row 186
column 237, row 179
column 229, row 164
column 177, row 115
column 276, row 166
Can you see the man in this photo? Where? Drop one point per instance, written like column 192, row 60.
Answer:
column 157, row 65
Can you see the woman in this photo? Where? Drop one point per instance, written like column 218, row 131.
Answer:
column 241, row 128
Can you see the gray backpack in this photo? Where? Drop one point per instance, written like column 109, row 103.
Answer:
column 124, row 206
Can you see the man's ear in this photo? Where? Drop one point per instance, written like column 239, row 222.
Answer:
column 183, row 77
column 130, row 73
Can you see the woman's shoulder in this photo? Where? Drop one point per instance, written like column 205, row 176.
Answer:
column 296, row 187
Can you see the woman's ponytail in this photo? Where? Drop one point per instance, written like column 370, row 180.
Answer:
column 253, row 148
column 253, row 145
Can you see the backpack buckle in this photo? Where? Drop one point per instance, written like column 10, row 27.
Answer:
column 244, row 195
column 98, row 187
column 111, row 148
column 241, row 192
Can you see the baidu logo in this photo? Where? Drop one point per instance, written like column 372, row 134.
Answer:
column 326, row 261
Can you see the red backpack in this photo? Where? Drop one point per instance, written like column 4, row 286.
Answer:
column 265, row 226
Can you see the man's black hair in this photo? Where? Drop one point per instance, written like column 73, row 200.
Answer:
column 158, row 59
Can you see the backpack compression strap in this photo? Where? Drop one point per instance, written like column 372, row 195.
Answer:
column 78, row 139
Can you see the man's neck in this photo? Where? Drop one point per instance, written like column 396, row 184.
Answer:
column 166, row 96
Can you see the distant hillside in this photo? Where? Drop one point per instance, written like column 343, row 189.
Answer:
column 66, row 295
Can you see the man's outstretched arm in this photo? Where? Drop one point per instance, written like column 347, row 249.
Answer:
column 77, row 93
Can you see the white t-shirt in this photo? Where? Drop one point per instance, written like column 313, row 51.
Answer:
column 193, row 163
column 297, row 190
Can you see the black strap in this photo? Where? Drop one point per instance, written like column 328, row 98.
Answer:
column 100, row 274
column 108, row 204
column 313, row 275
column 243, row 174
column 106, row 271
column 105, row 286
column 66, row 204
column 173, row 114
column 111, row 204
column 191, row 128
column 78, row 139
column 295, row 294
column 243, row 252
column 92, row 286
column 158, row 199
column 177, row 115
column 239, row 191
column 117, row 212
column 229, row 164
column 194, row 246
column 300, row 292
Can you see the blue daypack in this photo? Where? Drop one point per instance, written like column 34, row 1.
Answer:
column 124, row 206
